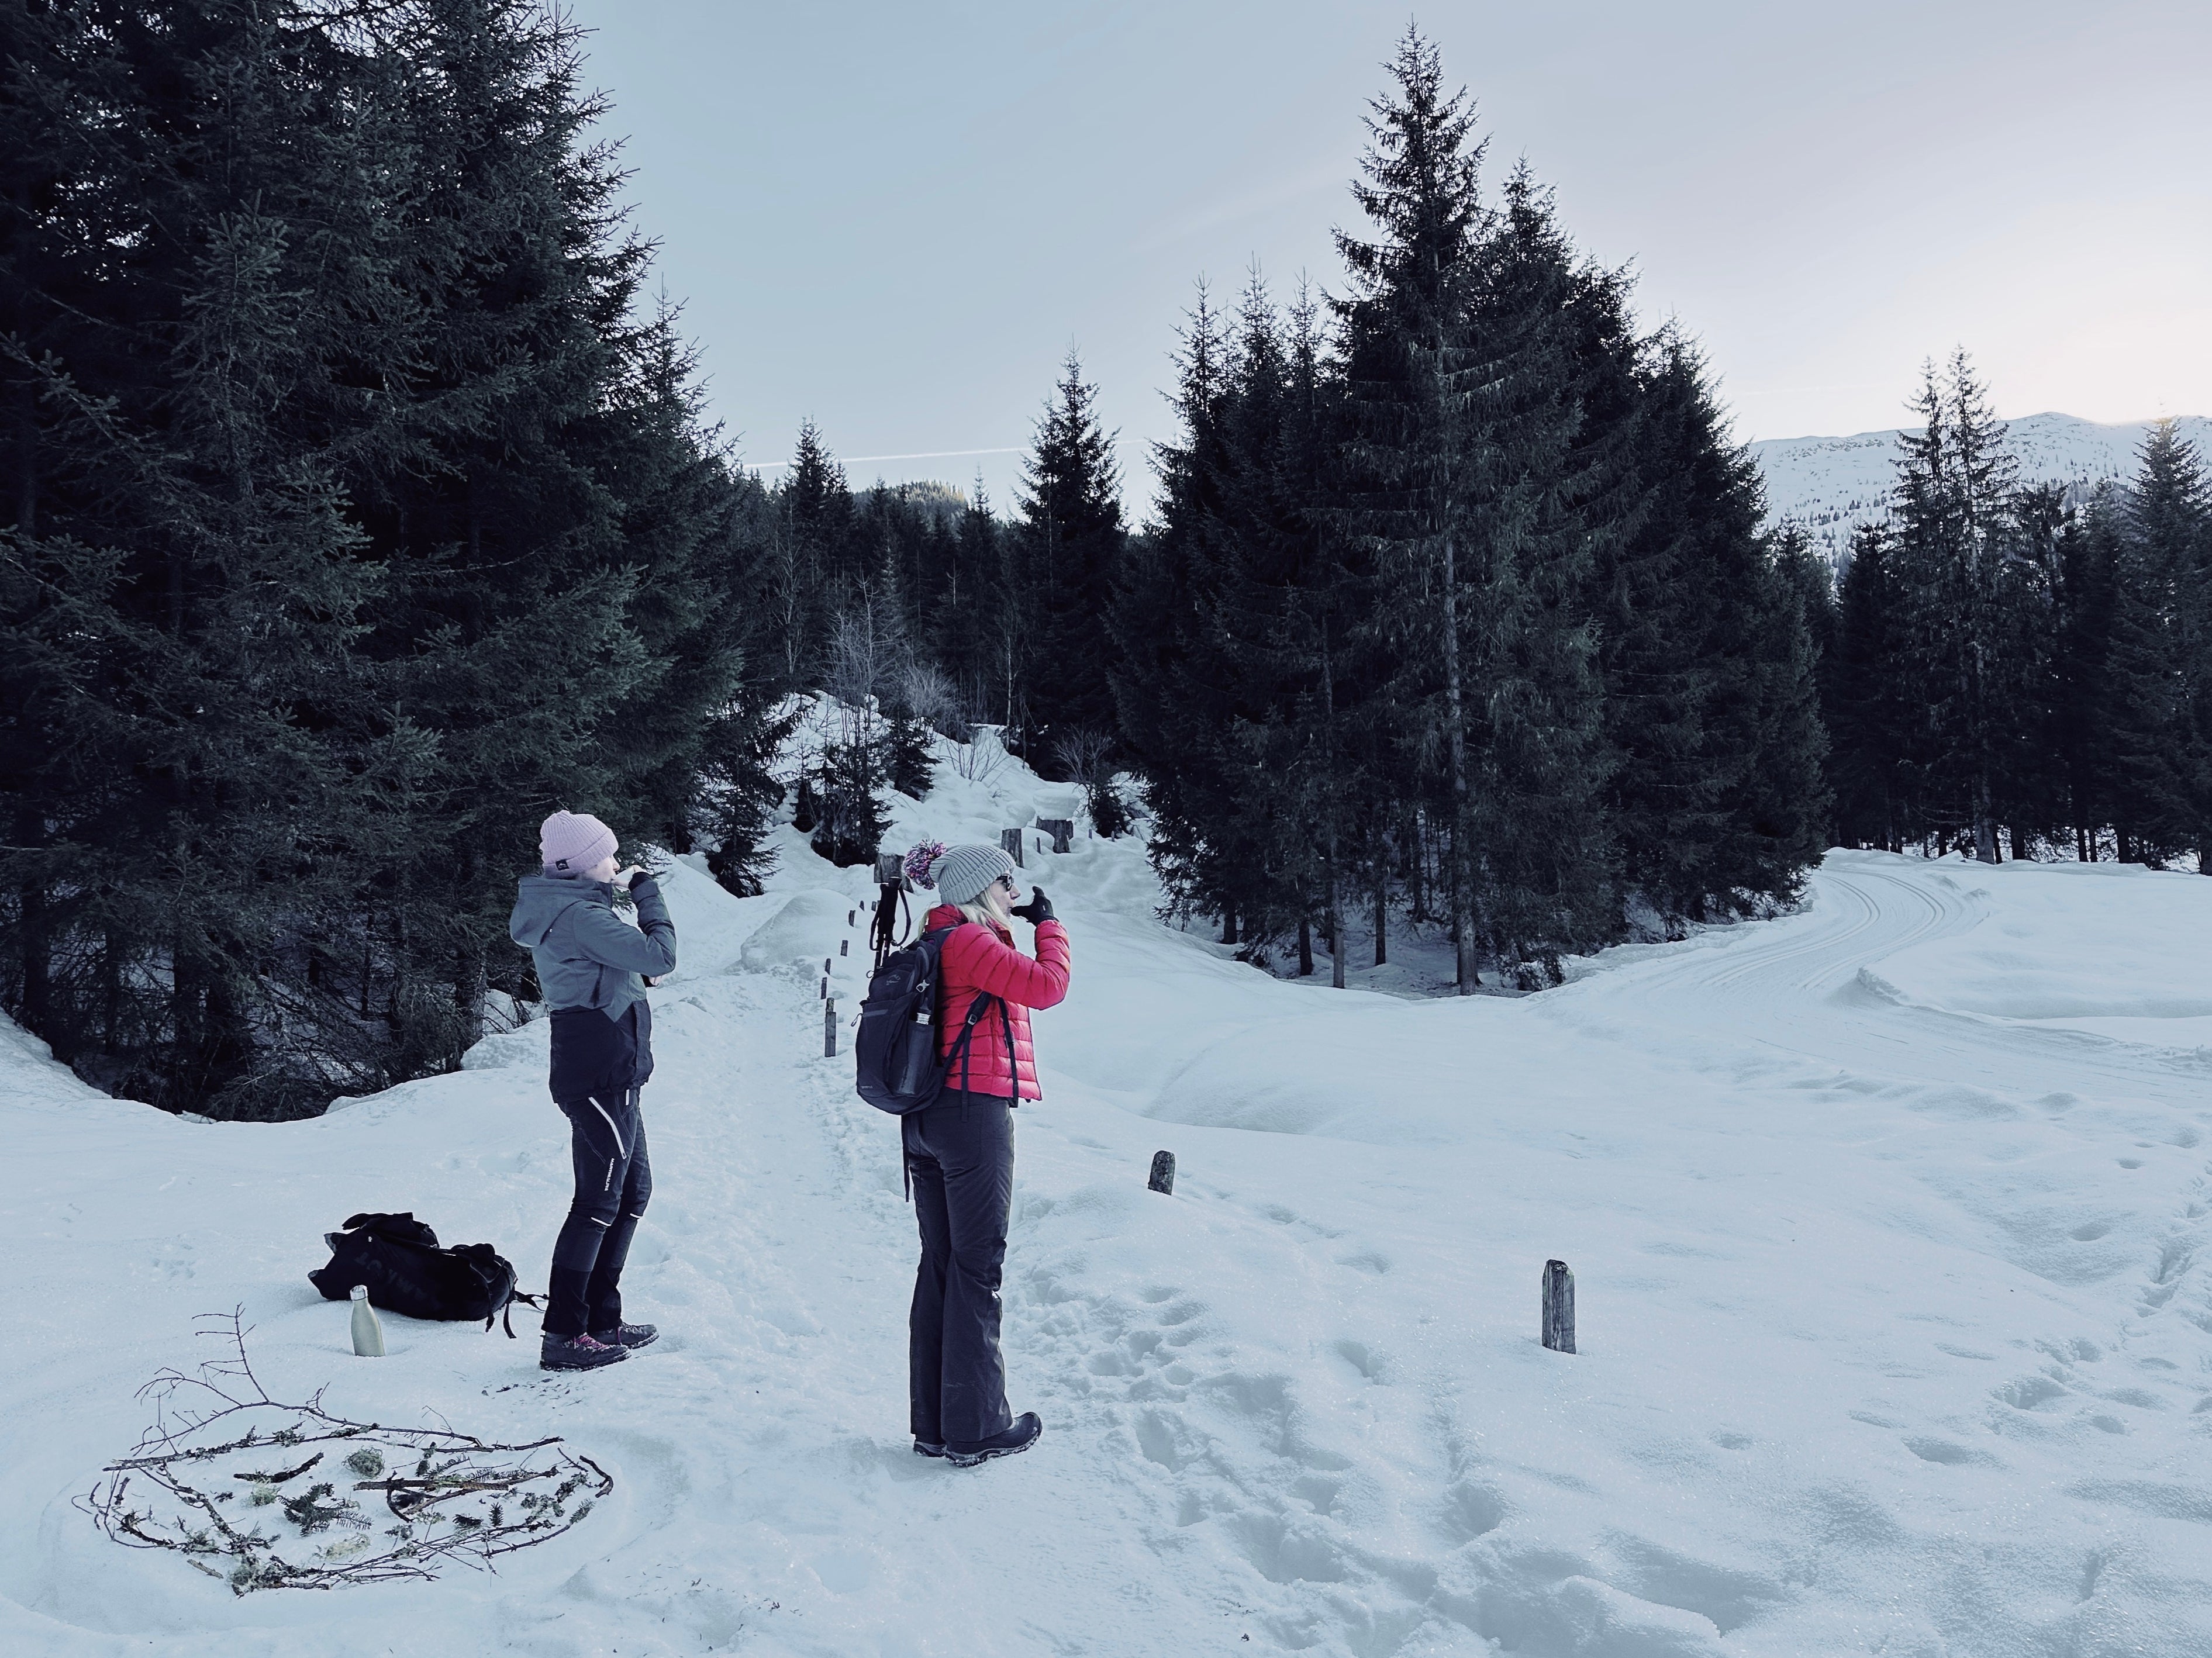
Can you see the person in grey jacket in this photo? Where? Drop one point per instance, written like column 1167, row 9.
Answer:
column 593, row 967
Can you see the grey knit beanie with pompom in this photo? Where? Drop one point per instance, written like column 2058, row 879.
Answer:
column 962, row 874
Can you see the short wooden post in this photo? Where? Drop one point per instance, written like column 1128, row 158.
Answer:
column 849, row 914
column 1163, row 1178
column 1011, row 840
column 825, row 965
column 825, row 990
column 1559, row 1306
column 844, row 946
column 830, row 1028
column 1062, row 830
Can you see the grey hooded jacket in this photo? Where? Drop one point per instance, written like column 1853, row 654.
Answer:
column 586, row 956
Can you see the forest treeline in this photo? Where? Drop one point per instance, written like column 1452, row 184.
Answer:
column 2005, row 664
column 359, row 509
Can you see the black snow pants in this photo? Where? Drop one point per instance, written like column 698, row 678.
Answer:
column 960, row 1156
column 613, row 1178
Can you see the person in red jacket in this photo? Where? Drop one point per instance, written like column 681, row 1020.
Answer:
column 960, row 1155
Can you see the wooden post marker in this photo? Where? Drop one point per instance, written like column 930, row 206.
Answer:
column 1163, row 1178
column 844, row 946
column 830, row 1028
column 1011, row 839
column 1062, row 830
column 1559, row 1306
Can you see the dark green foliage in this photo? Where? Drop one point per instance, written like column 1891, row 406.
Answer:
column 359, row 521
column 2162, row 653
column 1467, row 603
column 739, row 794
column 909, row 757
column 1066, row 555
column 853, row 822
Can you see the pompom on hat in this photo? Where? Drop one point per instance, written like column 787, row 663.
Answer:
column 919, row 857
column 570, row 842
column 961, row 874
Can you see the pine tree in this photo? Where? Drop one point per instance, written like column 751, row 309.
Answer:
column 2164, row 648
column 369, row 523
column 1069, row 550
column 1965, row 590
column 2087, row 708
column 1873, row 718
column 1462, row 391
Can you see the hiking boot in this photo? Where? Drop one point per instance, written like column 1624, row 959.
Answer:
column 577, row 1353
column 1016, row 1440
column 928, row 1448
column 628, row 1335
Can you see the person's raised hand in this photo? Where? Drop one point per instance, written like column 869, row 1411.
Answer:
column 1037, row 910
column 626, row 879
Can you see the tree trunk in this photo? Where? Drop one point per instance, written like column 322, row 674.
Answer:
column 1335, row 930
column 1457, row 739
column 1381, row 907
column 1305, row 948
column 1985, row 824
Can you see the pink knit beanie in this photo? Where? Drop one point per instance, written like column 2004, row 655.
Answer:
column 570, row 842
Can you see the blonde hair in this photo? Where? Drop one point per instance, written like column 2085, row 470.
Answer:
column 977, row 911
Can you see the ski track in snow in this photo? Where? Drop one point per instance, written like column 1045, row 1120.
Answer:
column 1894, row 1326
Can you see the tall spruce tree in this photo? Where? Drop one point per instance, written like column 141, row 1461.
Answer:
column 1967, row 594
column 1463, row 400
column 1873, row 717
column 2163, row 654
column 2087, row 701
column 1069, row 543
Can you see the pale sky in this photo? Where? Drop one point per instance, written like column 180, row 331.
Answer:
column 895, row 219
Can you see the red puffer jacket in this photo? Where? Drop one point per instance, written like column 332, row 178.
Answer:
column 983, row 958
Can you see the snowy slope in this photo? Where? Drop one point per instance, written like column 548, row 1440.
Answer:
column 1892, row 1262
column 1831, row 486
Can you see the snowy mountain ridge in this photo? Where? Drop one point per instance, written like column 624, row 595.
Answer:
column 1832, row 485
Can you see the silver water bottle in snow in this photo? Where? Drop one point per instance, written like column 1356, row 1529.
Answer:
column 367, row 1330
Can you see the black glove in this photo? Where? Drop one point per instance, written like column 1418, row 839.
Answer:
column 1037, row 910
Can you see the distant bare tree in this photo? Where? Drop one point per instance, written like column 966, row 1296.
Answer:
column 1086, row 755
column 929, row 697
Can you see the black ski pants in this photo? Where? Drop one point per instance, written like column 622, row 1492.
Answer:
column 960, row 1156
column 614, row 1179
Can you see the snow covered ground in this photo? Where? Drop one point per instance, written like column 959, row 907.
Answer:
column 1831, row 486
column 1889, row 1221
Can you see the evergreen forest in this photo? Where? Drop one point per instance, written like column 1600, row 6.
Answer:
column 359, row 508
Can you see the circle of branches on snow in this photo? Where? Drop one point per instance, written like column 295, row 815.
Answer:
column 265, row 1495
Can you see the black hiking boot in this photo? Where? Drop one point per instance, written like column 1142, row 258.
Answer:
column 1016, row 1439
column 928, row 1448
column 577, row 1353
column 628, row 1335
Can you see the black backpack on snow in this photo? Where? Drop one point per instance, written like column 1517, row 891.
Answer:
column 895, row 1063
column 399, row 1259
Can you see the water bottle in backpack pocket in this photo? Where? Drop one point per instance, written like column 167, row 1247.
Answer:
column 895, row 1064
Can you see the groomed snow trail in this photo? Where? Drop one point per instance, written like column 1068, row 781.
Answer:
column 1895, row 1337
